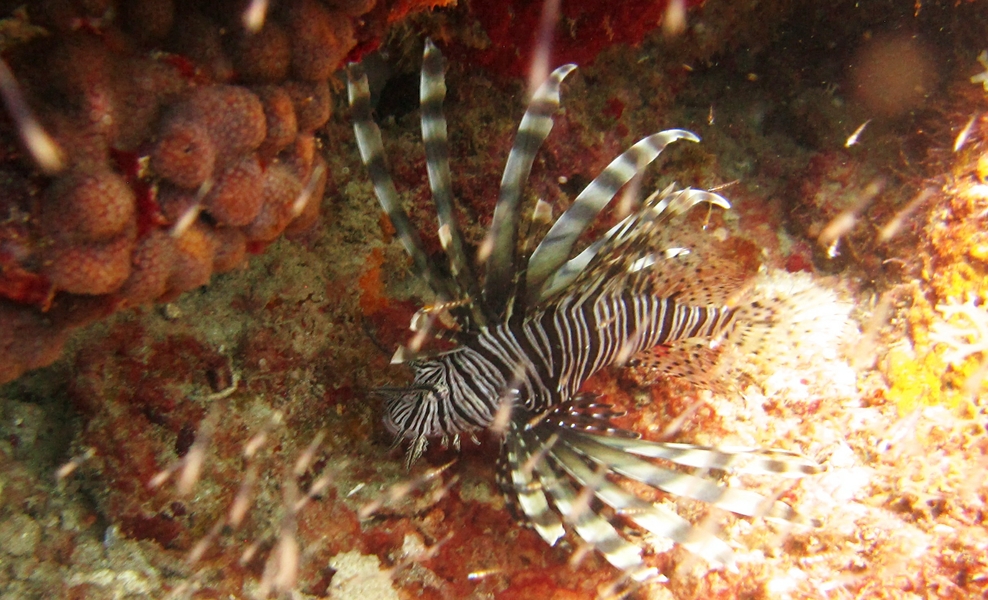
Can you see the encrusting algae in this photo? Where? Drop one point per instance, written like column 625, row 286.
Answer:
column 947, row 318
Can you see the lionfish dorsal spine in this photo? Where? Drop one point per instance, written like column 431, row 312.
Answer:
column 371, row 148
column 555, row 247
column 499, row 246
column 432, row 93
column 630, row 240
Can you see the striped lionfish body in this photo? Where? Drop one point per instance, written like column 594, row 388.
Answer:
column 536, row 326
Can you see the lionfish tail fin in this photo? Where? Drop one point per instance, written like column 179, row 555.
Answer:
column 785, row 320
column 567, row 476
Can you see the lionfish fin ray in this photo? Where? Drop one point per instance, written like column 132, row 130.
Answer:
column 555, row 247
column 432, row 93
column 622, row 461
column 655, row 519
column 585, row 413
column 748, row 461
column 499, row 246
column 624, row 247
column 590, row 526
column 525, row 491
column 371, row 148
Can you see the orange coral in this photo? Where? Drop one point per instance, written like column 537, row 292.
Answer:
column 372, row 298
column 88, row 206
column 152, row 261
column 320, row 39
column 91, row 268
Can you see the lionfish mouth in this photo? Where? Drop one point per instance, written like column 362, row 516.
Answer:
column 400, row 405
column 402, row 433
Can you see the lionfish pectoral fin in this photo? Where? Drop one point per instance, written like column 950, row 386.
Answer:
column 576, row 507
column 579, row 473
column 655, row 519
column 621, row 455
column 748, row 461
column 527, row 493
column 585, row 413
column 544, row 467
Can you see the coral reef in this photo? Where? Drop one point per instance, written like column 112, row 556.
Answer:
column 305, row 330
column 968, row 336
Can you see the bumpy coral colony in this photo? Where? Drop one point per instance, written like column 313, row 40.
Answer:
column 179, row 141
column 539, row 324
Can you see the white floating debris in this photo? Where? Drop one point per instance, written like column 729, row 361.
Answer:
column 254, row 15
column 982, row 77
column 857, row 134
column 962, row 136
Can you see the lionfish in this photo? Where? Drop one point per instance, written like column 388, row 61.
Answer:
column 539, row 323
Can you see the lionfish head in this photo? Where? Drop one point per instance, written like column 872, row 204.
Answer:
column 416, row 413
